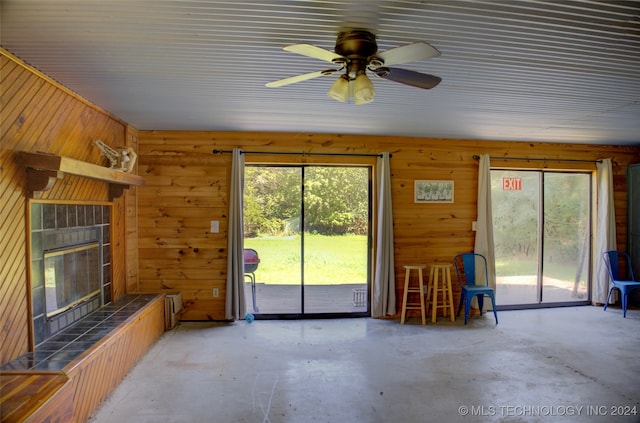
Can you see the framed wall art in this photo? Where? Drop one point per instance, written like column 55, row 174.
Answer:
column 427, row 192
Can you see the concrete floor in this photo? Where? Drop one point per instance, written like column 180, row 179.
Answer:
column 566, row 364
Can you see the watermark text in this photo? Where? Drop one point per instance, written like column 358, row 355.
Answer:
column 547, row 410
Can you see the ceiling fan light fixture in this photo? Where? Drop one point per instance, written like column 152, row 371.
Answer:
column 340, row 89
column 363, row 91
column 356, row 51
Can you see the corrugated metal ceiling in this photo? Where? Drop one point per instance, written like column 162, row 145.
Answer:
column 514, row 70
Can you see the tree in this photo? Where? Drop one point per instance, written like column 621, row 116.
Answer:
column 335, row 199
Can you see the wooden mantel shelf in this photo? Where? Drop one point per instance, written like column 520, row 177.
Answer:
column 43, row 170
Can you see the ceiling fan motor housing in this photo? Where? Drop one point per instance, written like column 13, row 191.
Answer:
column 358, row 48
column 356, row 44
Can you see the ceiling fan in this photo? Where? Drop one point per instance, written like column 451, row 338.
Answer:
column 356, row 52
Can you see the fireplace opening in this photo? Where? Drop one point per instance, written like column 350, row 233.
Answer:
column 71, row 277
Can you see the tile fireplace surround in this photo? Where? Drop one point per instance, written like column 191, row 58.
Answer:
column 56, row 227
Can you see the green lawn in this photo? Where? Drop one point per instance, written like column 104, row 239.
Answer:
column 529, row 266
column 329, row 260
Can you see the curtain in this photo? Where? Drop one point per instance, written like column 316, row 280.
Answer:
column 484, row 226
column 605, row 230
column 384, row 283
column 234, row 304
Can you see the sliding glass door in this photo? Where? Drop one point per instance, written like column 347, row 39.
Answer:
column 542, row 237
column 272, row 216
column 310, row 228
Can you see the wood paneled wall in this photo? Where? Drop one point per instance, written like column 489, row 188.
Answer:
column 186, row 187
column 131, row 223
column 40, row 115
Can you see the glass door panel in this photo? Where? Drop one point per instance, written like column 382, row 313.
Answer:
column 515, row 198
column 272, row 213
column 565, row 261
column 336, row 216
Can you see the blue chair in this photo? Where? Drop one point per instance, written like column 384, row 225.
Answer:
column 612, row 260
column 467, row 271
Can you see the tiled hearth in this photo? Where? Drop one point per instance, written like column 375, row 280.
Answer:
column 61, row 349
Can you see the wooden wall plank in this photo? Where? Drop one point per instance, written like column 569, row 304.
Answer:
column 131, row 223
column 18, row 76
column 187, row 187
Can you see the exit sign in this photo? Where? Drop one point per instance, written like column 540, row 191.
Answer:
column 511, row 184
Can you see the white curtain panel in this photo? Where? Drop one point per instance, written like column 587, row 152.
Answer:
column 384, row 283
column 605, row 230
column 234, row 300
column 484, row 227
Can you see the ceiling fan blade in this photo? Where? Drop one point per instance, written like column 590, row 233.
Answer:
column 299, row 78
column 408, row 53
column 408, row 77
column 313, row 51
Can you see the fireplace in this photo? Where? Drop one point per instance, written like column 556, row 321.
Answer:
column 70, row 264
column 71, row 277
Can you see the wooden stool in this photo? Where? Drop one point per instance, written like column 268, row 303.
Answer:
column 419, row 290
column 444, row 270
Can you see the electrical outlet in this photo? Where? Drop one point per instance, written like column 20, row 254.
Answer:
column 216, row 292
